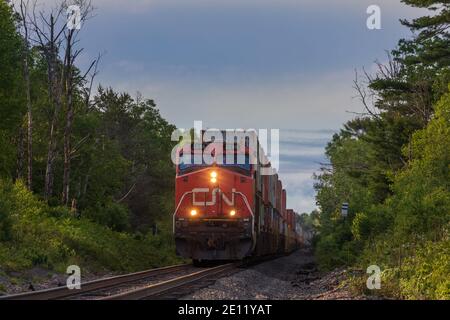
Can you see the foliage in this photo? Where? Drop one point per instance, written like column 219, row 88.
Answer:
column 110, row 214
column 425, row 274
column 393, row 168
column 41, row 239
column 11, row 107
column 5, row 214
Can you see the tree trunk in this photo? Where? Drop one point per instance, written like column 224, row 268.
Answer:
column 67, row 149
column 55, row 92
column 20, row 155
column 69, row 120
column 26, row 73
column 30, row 123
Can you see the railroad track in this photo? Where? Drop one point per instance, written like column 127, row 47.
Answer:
column 168, row 282
column 176, row 287
column 161, row 283
column 96, row 288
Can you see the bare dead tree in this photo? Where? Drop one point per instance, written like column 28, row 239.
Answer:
column 367, row 96
column 48, row 30
column 92, row 74
column 52, row 35
column 364, row 94
column 70, row 36
column 421, row 103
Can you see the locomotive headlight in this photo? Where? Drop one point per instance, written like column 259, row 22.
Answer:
column 193, row 213
column 232, row 213
column 213, row 177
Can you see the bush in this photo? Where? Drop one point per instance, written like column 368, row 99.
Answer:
column 5, row 214
column 59, row 212
column 51, row 238
column 425, row 275
column 111, row 214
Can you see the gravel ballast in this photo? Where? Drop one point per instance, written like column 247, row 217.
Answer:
column 293, row 277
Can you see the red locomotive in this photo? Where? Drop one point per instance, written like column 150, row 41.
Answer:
column 228, row 210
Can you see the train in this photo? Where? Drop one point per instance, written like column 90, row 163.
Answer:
column 233, row 206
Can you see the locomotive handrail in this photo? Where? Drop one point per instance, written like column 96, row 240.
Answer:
column 178, row 207
column 251, row 212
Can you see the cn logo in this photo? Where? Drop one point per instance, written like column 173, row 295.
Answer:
column 228, row 201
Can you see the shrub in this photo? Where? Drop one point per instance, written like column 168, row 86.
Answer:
column 110, row 214
column 59, row 212
column 5, row 212
column 425, row 275
column 51, row 238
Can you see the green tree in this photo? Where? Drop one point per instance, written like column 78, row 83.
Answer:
column 12, row 106
column 391, row 165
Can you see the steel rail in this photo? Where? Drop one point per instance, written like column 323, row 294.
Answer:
column 64, row 292
column 166, row 287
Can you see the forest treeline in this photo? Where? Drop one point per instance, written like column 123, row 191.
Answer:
column 391, row 164
column 85, row 174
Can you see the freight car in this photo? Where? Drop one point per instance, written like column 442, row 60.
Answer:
column 226, row 208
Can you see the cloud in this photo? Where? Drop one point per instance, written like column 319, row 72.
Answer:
column 312, row 104
column 301, row 152
column 295, row 136
column 299, row 186
column 298, row 164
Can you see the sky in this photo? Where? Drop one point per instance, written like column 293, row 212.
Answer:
column 263, row 64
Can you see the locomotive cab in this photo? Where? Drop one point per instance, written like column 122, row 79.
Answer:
column 214, row 215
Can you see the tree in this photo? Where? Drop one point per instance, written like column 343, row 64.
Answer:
column 23, row 11
column 144, row 138
column 48, row 30
column 11, row 84
column 371, row 160
column 71, row 80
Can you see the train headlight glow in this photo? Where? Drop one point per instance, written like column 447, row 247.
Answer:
column 193, row 213
column 232, row 213
column 213, row 177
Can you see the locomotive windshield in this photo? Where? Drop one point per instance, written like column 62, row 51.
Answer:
column 243, row 165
